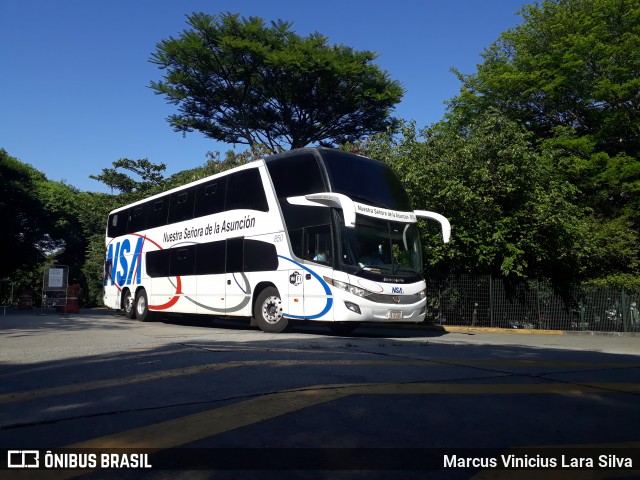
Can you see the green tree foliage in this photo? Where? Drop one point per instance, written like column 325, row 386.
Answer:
column 213, row 165
column 68, row 244
column 240, row 81
column 40, row 222
column 22, row 216
column 571, row 63
column 510, row 216
column 150, row 175
column 93, row 209
column 570, row 74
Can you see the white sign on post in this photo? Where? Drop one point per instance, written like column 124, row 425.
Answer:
column 56, row 278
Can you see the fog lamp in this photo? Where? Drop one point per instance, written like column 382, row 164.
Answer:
column 353, row 307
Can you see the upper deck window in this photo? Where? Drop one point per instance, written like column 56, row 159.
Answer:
column 245, row 190
column 295, row 175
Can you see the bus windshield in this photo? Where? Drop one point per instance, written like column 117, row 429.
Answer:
column 382, row 247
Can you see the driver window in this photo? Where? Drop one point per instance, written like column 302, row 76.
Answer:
column 317, row 246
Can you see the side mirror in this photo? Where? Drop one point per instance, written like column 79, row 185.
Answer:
column 446, row 226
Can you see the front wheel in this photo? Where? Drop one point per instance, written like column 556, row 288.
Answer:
column 142, row 307
column 269, row 312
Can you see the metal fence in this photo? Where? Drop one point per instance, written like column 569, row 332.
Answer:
column 482, row 301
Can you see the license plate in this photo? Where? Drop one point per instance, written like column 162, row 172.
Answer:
column 394, row 315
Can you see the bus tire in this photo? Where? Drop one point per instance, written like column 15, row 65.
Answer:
column 269, row 312
column 142, row 306
column 343, row 328
column 127, row 305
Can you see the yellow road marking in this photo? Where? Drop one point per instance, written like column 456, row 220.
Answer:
column 187, row 429
column 190, row 428
column 130, row 354
column 180, row 372
column 12, row 397
column 194, row 427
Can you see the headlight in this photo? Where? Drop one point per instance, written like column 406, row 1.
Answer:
column 423, row 294
column 359, row 291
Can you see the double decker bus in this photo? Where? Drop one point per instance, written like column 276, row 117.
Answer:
column 311, row 234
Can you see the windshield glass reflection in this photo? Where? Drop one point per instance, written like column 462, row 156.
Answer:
column 382, row 246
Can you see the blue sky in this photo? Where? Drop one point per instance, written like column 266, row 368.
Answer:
column 74, row 78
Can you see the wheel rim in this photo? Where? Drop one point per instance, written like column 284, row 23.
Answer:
column 272, row 309
column 142, row 305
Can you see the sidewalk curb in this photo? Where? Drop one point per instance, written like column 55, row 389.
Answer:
column 504, row 331
column 514, row 331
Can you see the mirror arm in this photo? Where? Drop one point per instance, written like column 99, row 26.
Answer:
column 446, row 226
column 329, row 199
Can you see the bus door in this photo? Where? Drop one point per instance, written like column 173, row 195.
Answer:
column 293, row 297
column 294, row 307
column 319, row 251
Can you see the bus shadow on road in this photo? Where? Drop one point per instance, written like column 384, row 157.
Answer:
column 366, row 330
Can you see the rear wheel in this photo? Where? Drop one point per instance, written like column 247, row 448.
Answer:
column 269, row 312
column 142, row 306
column 129, row 311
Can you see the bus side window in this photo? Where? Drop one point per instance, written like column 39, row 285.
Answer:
column 117, row 224
column 183, row 261
column 245, row 191
column 158, row 263
column 210, row 197
column 296, row 175
column 157, row 212
column 181, row 205
column 210, row 258
column 260, row 256
column 235, row 255
column 295, row 237
column 137, row 218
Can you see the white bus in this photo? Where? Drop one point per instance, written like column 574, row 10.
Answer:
column 310, row 234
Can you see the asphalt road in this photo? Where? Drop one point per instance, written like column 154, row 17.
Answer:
column 382, row 403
